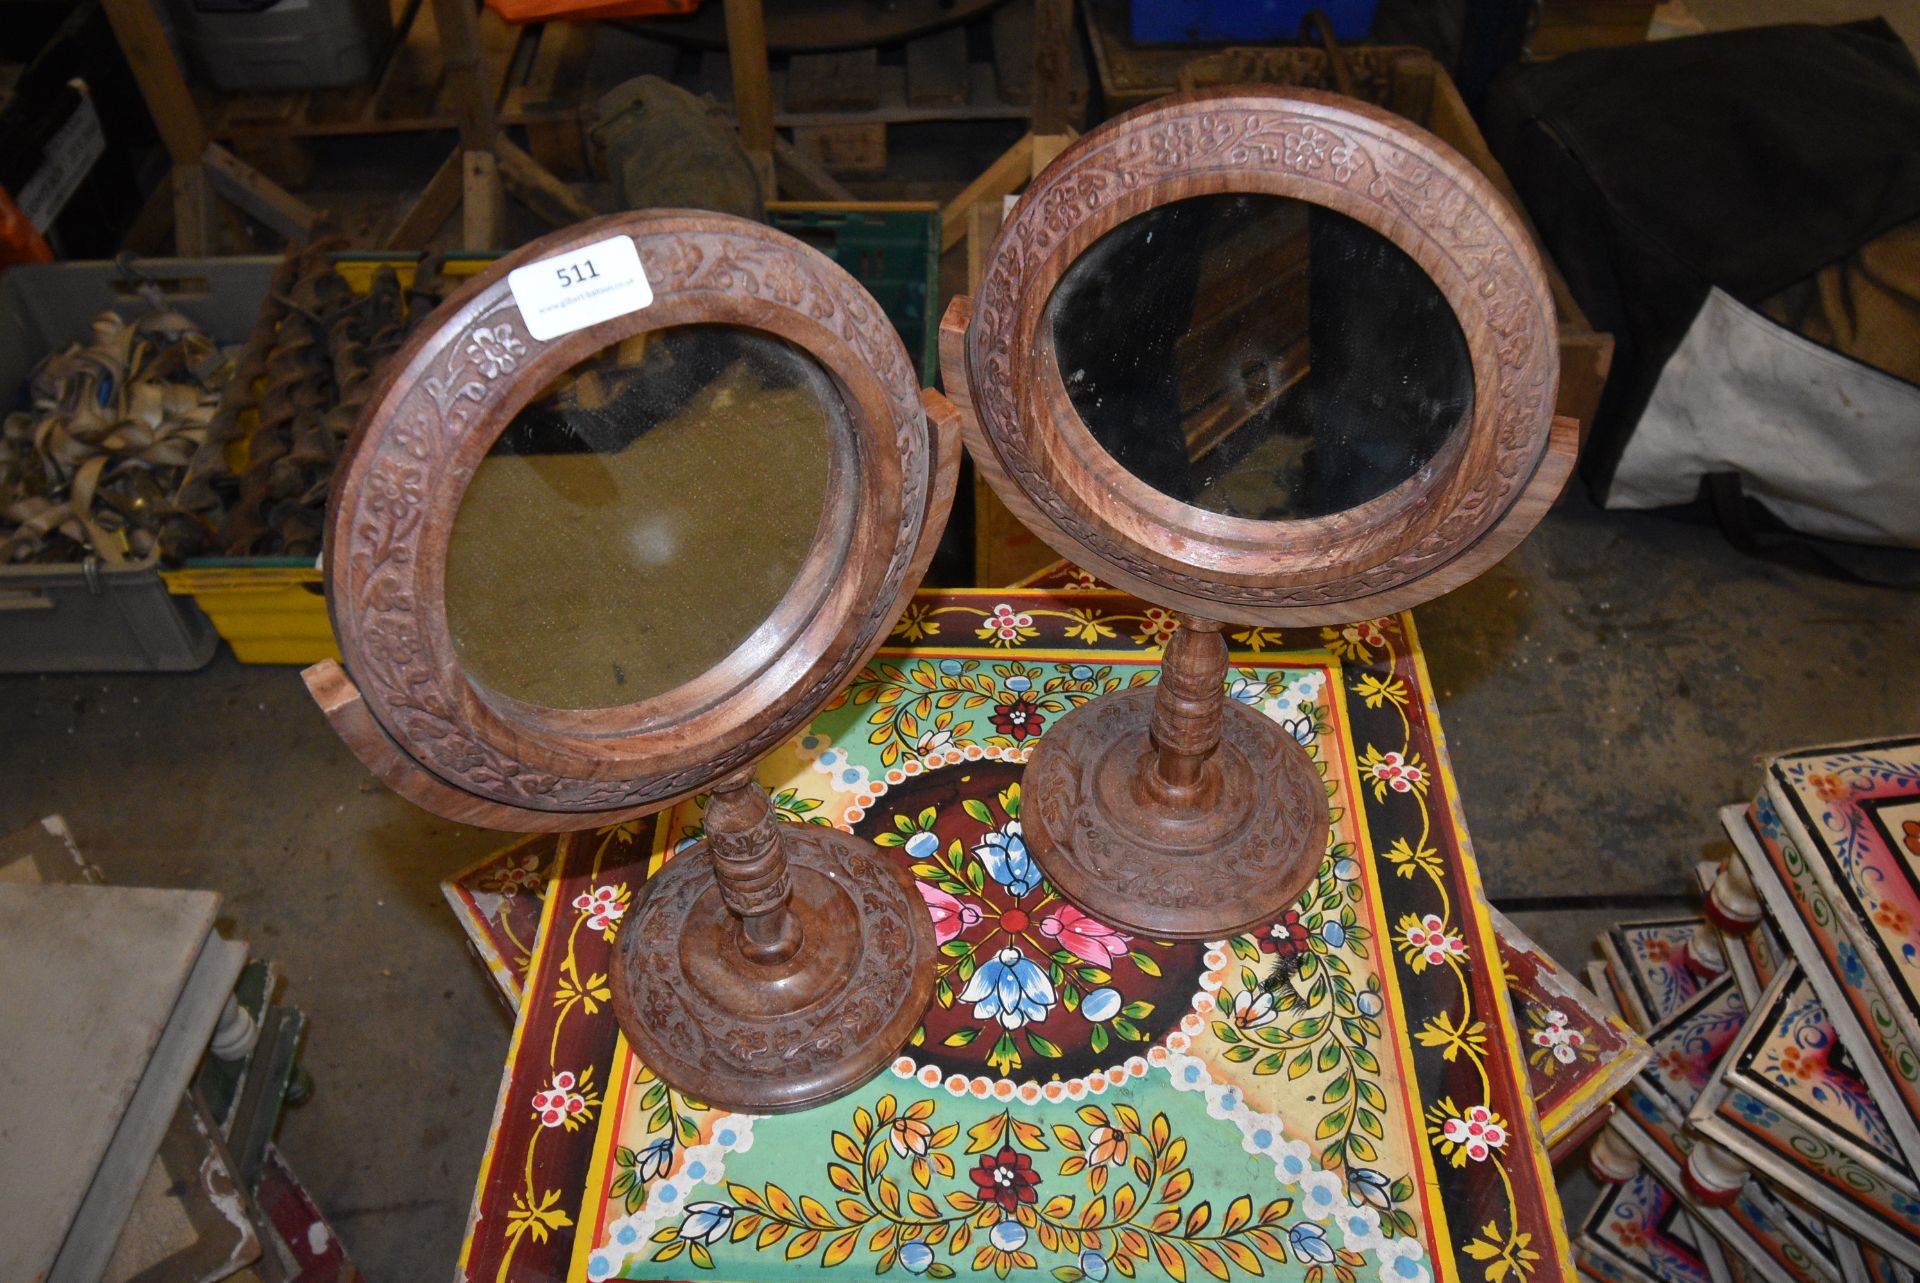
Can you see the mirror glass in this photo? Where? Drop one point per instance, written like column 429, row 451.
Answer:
column 1260, row 356
column 643, row 516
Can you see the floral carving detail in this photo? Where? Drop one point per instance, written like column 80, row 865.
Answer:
column 496, row 350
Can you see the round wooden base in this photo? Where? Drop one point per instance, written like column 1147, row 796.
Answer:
column 767, row 1038
column 1233, row 860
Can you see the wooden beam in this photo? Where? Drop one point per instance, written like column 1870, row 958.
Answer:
column 481, row 200
column 143, row 41
column 1052, row 64
column 1004, row 176
column 538, row 190
column 800, row 177
column 256, row 194
column 432, row 207
column 460, row 54
column 192, row 212
column 752, row 87
column 560, row 58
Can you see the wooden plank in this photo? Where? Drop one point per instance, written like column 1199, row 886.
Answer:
column 1004, row 176
column 256, row 194
column 752, row 88
column 498, row 40
column 1052, row 64
column 800, row 176
column 481, row 201
column 1012, row 29
column 843, row 81
column 410, row 84
column 937, row 69
column 432, row 207
column 192, row 212
column 983, row 103
column 538, row 190
column 143, row 41
column 466, row 93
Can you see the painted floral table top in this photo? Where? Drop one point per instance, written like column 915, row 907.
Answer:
column 1341, row 1096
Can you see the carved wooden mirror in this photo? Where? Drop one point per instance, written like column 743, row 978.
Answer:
column 1263, row 357
column 624, row 513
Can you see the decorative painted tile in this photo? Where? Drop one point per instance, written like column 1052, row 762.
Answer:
column 1369, row 1118
column 1638, row 1232
column 1854, row 812
column 1647, row 965
column 1578, row 1054
column 1807, row 919
column 1789, row 1103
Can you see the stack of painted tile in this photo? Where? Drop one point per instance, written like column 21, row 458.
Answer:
column 1779, row 1114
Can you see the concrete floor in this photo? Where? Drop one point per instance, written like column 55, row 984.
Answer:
column 1604, row 690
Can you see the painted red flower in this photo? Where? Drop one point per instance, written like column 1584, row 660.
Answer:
column 1006, row 1178
column 1286, row 937
column 1910, row 835
column 1018, row 718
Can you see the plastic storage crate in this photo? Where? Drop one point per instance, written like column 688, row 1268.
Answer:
column 1217, row 21
column 892, row 248
column 85, row 617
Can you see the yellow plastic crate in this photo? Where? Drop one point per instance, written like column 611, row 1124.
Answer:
column 273, row 610
column 269, row 610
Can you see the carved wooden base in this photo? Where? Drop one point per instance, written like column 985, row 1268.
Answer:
column 1232, row 862
column 774, row 1036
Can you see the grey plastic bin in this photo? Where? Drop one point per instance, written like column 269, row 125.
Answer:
column 86, row 617
column 274, row 45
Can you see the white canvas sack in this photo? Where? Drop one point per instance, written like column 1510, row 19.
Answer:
column 1829, row 446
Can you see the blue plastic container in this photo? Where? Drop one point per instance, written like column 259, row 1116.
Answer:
column 1229, row 21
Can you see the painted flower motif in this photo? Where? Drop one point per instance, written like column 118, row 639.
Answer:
column 1301, row 728
column 1009, row 988
column 1657, row 949
column 1558, row 1038
column 1087, row 939
column 1347, row 869
column 1892, row 917
column 922, row 845
column 1100, row 1004
column 517, row 875
column 1005, row 625
column 1321, row 1194
column 1286, row 937
column 1008, row 1236
column 1831, row 788
column 1368, row 1002
column 933, row 742
column 1157, row 626
column 1372, row 1186
column 1248, row 690
column 653, row 1160
column 950, row 916
column 1006, row 1178
column 1796, row 1064
column 916, row 1256
column 1430, row 938
column 1107, row 1145
column 602, row 905
column 1003, row 853
column 1334, row 933
column 706, row 1222
column 559, row 1102
column 1309, row 1243
column 1018, row 718
column 916, row 622
column 1478, row 1131
column 1253, row 1008
column 1093, row 1265
column 909, row 1136
column 1397, row 773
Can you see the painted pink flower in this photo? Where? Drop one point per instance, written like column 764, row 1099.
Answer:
column 950, row 916
column 559, row 1101
column 1479, row 1131
column 1007, row 622
column 602, row 906
column 1088, row 939
column 1430, row 937
column 1397, row 773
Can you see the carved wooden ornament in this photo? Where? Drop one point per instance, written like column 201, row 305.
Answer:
column 771, row 965
column 1181, row 814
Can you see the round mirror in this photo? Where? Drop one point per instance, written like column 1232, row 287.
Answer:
column 1260, row 356
column 593, row 561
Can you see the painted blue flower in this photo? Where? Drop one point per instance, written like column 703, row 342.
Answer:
column 922, row 845
column 1019, row 684
column 1080, row 672
column 1101, row 1004
column 1373, row 1187
column 1851, row 970
column 1368, row 1002
column 653, row 1159
column 1333, row 933
column 1008, row 1236
column 1347, row 869
column 1247, row 691
column 1009, row 988
column 706, row 1222
column 951, row 666
column 1093, row 1265
column 916, row 1256
column 1301, row 728
column 1004, row 855
column 1310, row 1243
